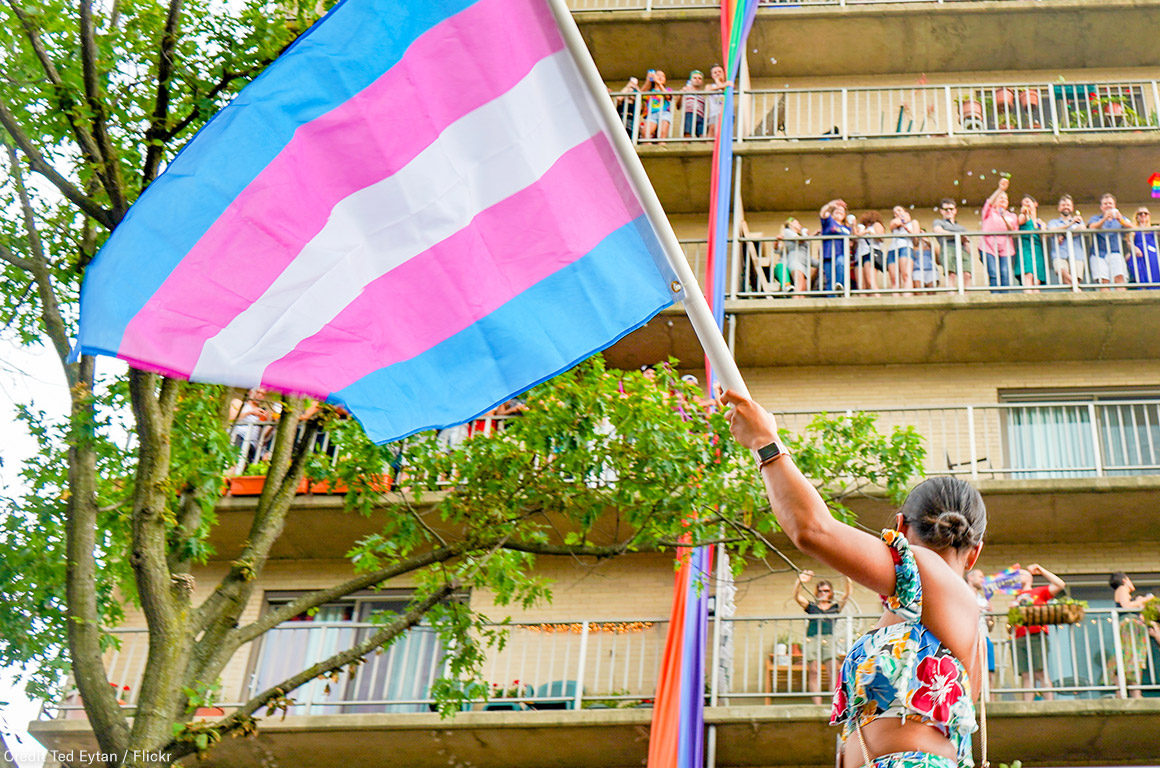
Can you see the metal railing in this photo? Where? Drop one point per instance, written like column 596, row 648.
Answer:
column 1028, row 440
column 1027, row 261
column 663, row 5
column 615, row 663
column 667, row 116
column 950, row 110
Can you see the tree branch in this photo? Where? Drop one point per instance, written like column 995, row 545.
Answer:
column 37, row 266
column 114, row 185
column 227, row 80
column 38, row 164
column 64, row 101
column 84, row 633
column 238, row 719
column 156, row 132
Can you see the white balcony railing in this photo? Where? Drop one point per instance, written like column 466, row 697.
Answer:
column 1030, row 439
column 588, row 663
column 662, row 5
column 951, row 110
column 763, row 267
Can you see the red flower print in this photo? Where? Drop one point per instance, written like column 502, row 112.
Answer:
column 838, row 709
column 940, row 688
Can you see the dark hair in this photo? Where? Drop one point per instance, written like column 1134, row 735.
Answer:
column 1106, row 195
column 1032, row 199
column 827, row 583
column 1066, row 197
column 945, row 512
column 1117, row 579
column 947, row 201
column 871, row 217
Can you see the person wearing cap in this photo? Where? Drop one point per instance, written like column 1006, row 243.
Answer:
column 1144, row 266
column 693, row 104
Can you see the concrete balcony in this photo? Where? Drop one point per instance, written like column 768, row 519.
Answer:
column 628, row 37
column 1079, row 733
column 573, row 675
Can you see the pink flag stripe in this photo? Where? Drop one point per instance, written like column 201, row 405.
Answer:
column 464, row 278
column 453, row 69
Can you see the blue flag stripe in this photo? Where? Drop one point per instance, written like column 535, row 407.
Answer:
column 575, row 312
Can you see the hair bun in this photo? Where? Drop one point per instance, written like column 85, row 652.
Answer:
column 951, row 529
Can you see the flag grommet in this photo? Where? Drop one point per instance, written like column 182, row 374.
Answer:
column 675, row 286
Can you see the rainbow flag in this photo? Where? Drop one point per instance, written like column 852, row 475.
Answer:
column 678, row 724
column 1006, row 581
column 416, row 212
column 1154, row 181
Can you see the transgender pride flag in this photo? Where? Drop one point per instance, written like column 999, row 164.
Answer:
column 416, row 212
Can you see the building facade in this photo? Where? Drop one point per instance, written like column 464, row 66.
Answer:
column 1048, row 401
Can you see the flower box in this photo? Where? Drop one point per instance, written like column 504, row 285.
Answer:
column 380, row 483
column 1050, row 613
column 252, row 485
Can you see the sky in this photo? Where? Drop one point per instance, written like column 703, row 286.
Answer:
column 27, row 375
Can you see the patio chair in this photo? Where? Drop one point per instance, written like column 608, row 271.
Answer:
column 558, row 694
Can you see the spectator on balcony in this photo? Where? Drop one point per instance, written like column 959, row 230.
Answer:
column 716, row 101
column 978, row 581
column 1031, row 640
column 1067, row 248
column 925, row 269
column 693, row 104
column 253, row 429
column 626, row 105
column 803, row 268
column 819, row 647
column 998, row 247
column 1107, row 257
column 1139, row 639
column 904, row 689
column 955, row 251
column 835, row 249
column 868, row 253
column 900, row 257
column 658, row 106
column 1032, row 264
column 1144, row 266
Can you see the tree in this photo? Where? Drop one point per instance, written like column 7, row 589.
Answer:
column 124, row 488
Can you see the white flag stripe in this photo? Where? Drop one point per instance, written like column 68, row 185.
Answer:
column 483, row 158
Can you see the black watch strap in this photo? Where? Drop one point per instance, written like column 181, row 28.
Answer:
column 771, row 452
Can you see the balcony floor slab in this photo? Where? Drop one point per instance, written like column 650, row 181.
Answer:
column 1093, row 732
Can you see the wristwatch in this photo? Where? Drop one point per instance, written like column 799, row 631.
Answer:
column 767, row 454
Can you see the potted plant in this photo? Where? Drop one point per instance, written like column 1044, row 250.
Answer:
column 1004, row 99
column 253, row 480
column 971, row 112
column 1029, row 97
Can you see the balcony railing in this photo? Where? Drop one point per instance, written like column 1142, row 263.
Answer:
column 951, row 110
column 1030, row 439
column 607, row 664
column 662, row 5
column 764, row 267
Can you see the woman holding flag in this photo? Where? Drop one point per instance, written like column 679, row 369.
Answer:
column 907, row 688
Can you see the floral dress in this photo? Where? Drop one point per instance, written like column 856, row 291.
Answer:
column 902, row 670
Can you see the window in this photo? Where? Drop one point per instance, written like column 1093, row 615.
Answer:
column 398, row 679
column 1082, row 434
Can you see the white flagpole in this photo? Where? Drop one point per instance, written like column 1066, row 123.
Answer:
column 695, row 305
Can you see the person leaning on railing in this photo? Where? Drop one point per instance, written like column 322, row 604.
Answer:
column 955, row 250
column 997, row 247
column 1138, row 657
column 905, row 688
column 1144, row 266
column 1068, row 248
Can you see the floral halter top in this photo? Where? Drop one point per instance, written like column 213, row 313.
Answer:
column 903, row 671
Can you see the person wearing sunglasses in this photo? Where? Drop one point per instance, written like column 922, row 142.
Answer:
column 1144, row 266
column 955, row 251
column 819, row 648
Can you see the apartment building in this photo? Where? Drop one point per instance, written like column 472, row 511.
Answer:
column 1049, row 402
